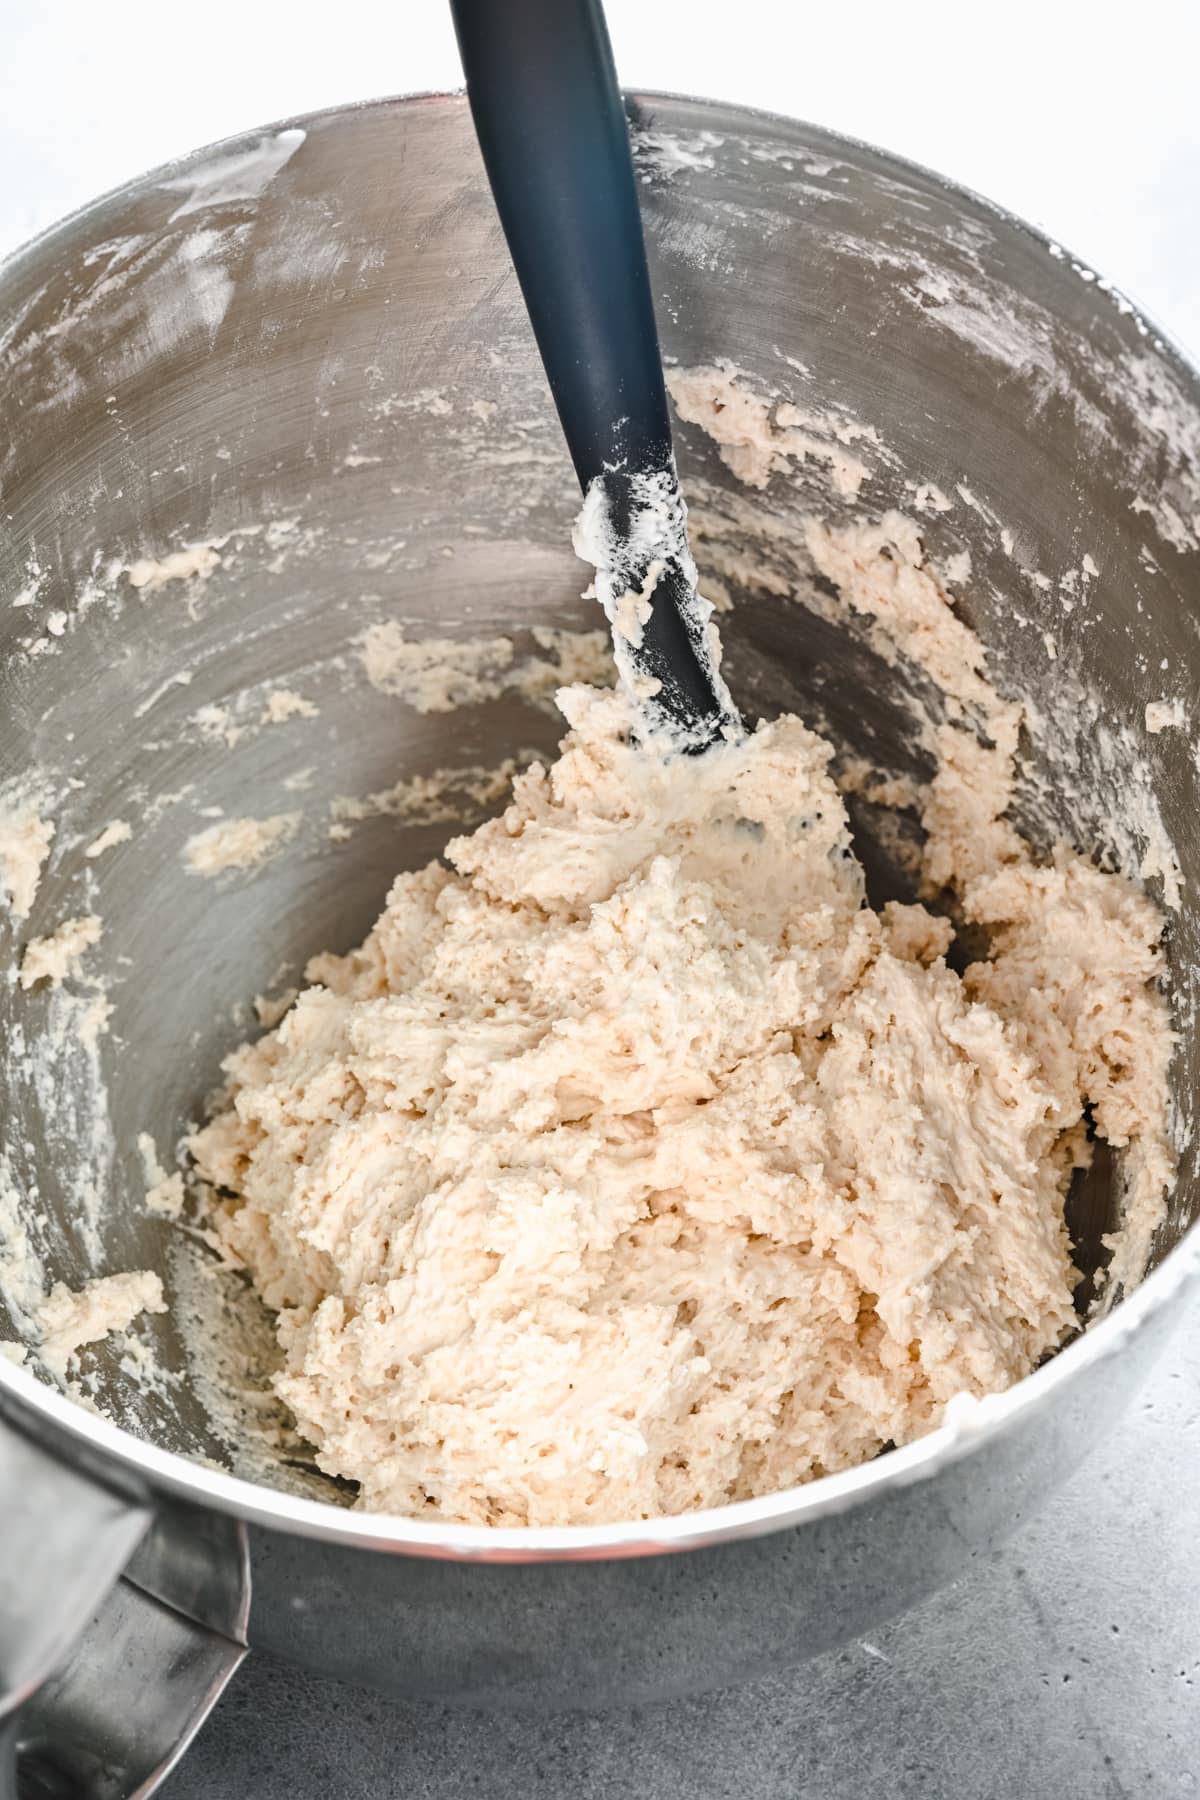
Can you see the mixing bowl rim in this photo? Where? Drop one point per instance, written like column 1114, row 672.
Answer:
column 50, row 1416
column 146, row 1470
column 1160, row 337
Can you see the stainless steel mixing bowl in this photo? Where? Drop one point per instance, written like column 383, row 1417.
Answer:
column 297, row 364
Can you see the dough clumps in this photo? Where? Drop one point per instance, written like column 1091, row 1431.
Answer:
column 109, row 1303
column 633, row 1164
column 239, row 843
column 25, row 840
column 55, row 957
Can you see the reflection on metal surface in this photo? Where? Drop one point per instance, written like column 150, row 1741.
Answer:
column 64, row 1542
column 113, row 1722
column 103, row 1683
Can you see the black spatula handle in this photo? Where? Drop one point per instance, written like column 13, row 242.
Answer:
column 551, row 125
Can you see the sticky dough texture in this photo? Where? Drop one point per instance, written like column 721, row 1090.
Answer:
column 634, row 1165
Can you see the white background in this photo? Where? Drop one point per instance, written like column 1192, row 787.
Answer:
column 1084, row 118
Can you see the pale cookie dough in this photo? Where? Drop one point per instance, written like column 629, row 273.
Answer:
column 239, row 843
column 109, row 1303
column 55, row 957
column 634, row 1165
column 25, row 840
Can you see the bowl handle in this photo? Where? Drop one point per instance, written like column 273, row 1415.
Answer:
column 103, row 1681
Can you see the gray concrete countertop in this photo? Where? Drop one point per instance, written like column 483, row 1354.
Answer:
column 1067, row 1666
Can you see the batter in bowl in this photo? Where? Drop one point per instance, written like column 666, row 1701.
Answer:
column 634, row 1164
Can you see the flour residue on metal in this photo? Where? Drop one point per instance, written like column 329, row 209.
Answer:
column 236, row 176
